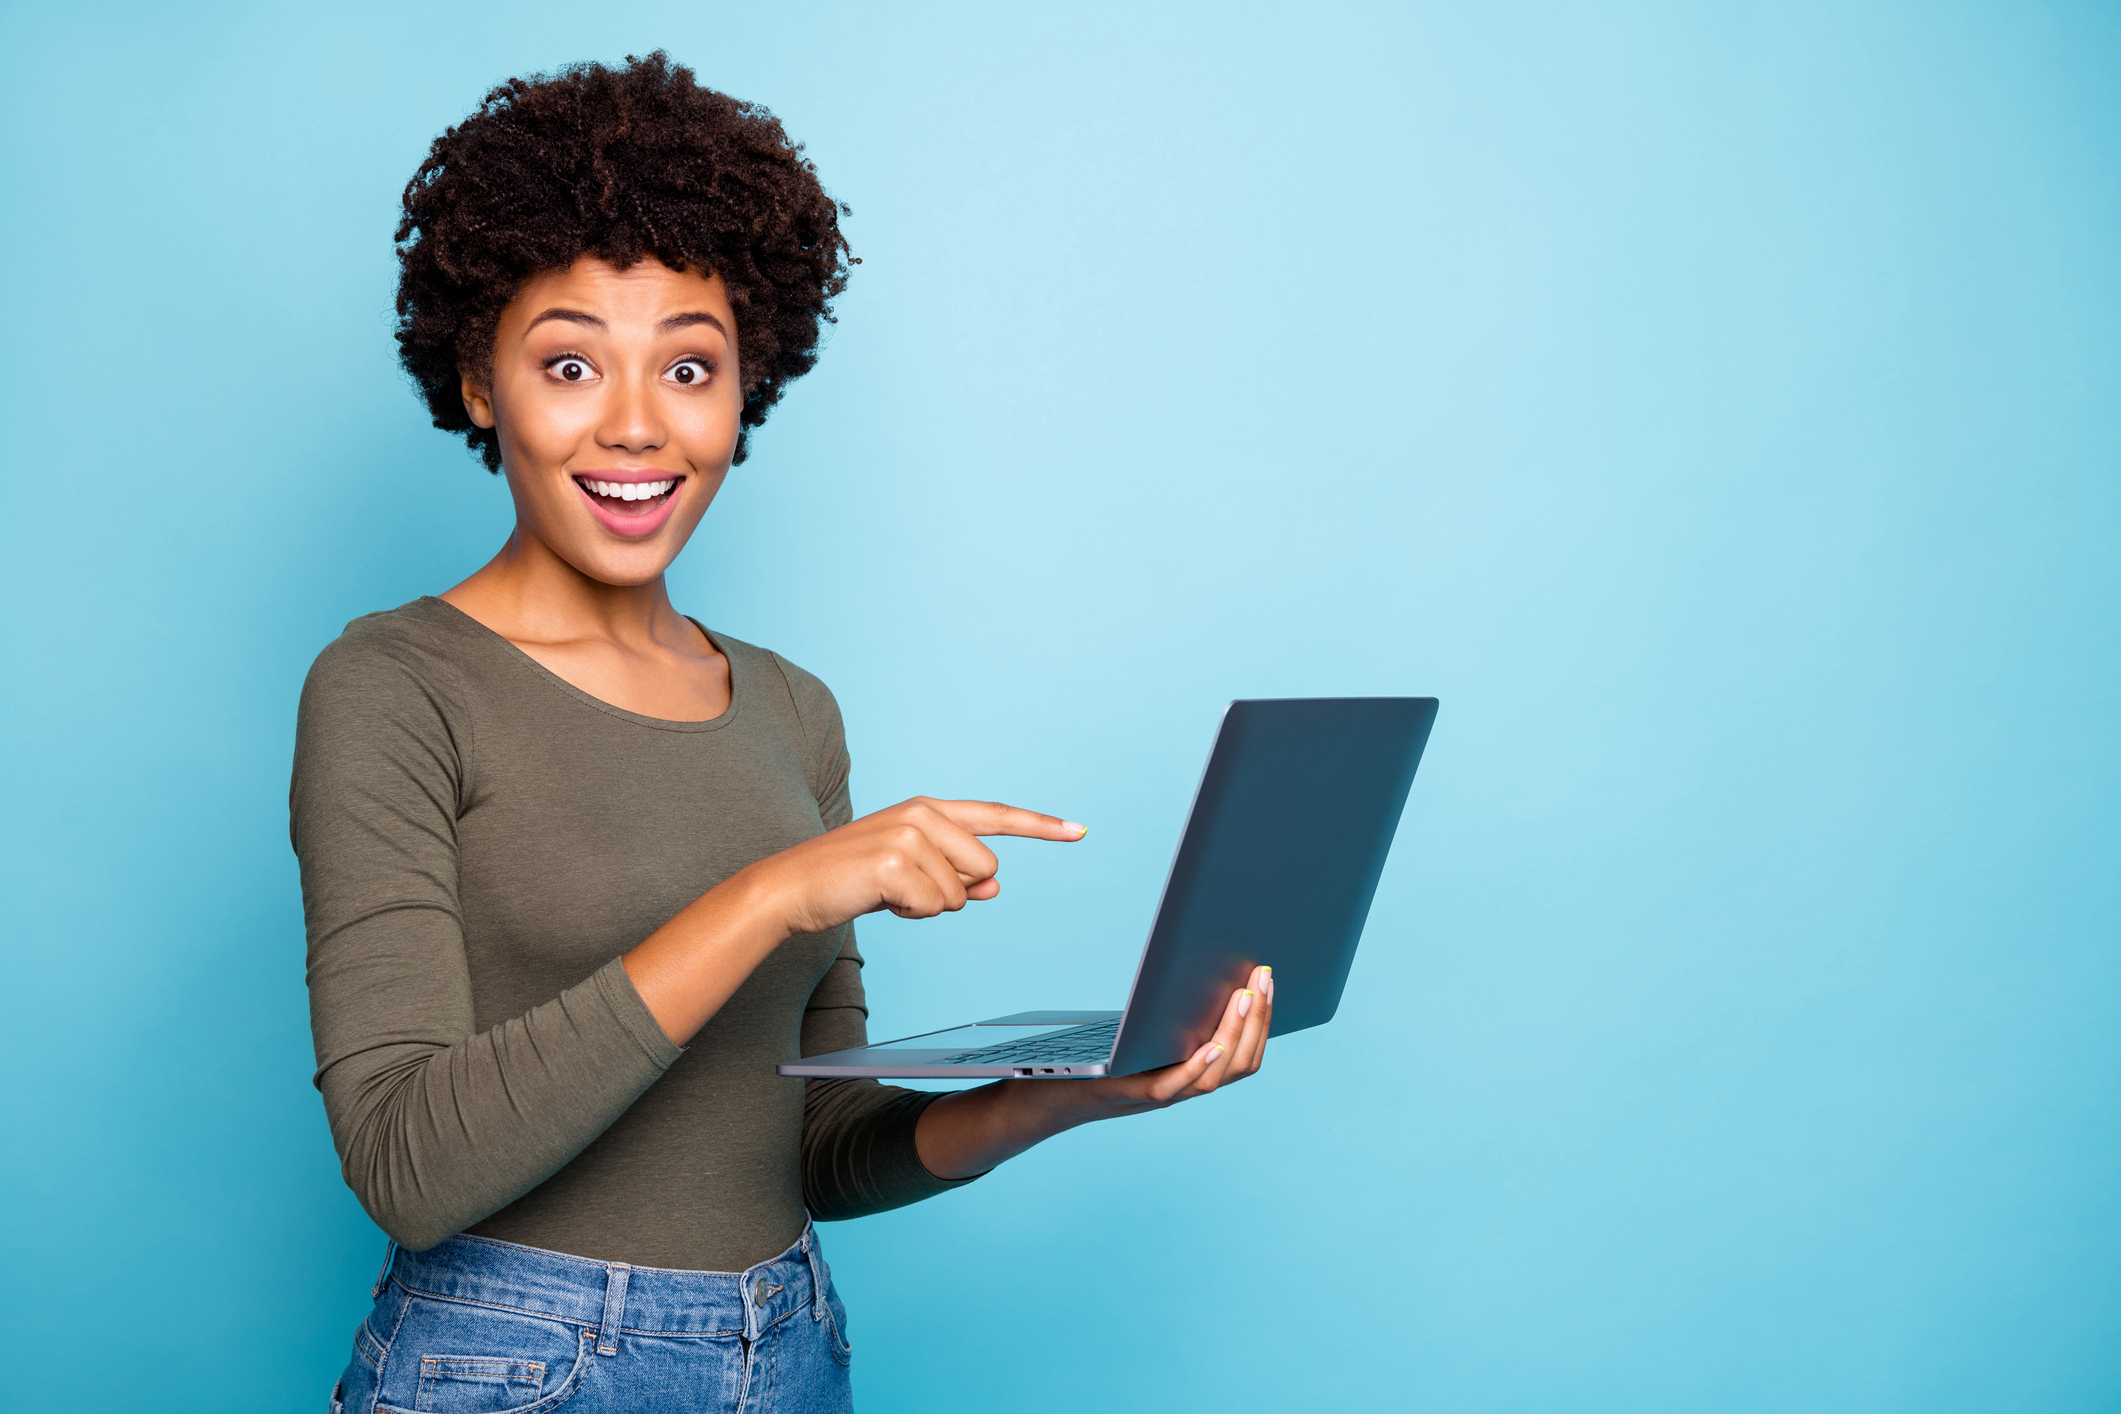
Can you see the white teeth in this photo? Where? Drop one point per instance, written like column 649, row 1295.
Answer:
column 631, row 490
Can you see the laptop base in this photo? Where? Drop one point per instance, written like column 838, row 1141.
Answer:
column 925, row 1057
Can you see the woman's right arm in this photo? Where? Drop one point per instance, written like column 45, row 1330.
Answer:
column 436, row 1125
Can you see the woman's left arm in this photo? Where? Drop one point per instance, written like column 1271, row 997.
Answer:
column 969, row 1132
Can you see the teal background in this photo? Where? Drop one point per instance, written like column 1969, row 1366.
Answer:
column 1718, row 407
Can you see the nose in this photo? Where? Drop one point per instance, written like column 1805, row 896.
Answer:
column 632, row 421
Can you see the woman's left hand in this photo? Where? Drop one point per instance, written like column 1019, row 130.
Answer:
column 1234, row 1052
column 970, row 1132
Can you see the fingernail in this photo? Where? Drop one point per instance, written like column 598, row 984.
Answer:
column 1215, row 1050
column 1244, row 1002
column 1074, row 829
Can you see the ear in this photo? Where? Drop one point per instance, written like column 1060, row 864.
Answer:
column 478, row 401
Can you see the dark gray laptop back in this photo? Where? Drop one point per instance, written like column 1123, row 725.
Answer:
column 1280, row 860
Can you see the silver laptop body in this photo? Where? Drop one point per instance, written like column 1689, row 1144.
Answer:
column 1279, row 861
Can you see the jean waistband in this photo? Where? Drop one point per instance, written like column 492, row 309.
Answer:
column 611, row 1296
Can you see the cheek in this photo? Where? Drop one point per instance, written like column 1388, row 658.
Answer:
column 544, row 429
column 708, row 427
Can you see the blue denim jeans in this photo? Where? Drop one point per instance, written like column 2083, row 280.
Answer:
column 475, row 1326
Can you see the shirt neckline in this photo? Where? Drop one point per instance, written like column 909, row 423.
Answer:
column 661, row 724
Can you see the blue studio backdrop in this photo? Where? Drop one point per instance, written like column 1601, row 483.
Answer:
column 1717, row 406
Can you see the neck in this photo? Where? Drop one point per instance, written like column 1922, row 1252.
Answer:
column 528, row 594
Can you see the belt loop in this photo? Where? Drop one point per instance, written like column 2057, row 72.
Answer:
column 818, row 1275
column 390, row 1254
column 615, row 1278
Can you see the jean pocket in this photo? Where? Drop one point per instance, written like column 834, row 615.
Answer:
column 368, row 1350
column 477, row 1384
column 836, row 1327
column 450, row 1357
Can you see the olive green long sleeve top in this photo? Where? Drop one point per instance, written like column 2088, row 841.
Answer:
column 479, row 842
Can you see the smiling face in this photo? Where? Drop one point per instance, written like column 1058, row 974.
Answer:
column 616, row 398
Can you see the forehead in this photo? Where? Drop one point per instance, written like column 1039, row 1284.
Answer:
column 641, row 295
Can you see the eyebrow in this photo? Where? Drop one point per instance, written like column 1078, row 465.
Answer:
column 572, row 316
column 688, row 319
column 675, row 321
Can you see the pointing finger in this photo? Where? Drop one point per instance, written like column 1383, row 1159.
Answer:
column 991, row 817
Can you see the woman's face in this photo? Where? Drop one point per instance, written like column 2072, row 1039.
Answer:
column 616, row 397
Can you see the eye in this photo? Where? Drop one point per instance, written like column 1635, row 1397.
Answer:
column 690, row 372
column 571, row 368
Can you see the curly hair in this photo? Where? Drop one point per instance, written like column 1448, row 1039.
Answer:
column 621, row 163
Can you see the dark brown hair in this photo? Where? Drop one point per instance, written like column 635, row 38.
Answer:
column 622, row 163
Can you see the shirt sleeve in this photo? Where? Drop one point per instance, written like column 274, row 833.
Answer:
column 436, row 1125
column 858, row 1150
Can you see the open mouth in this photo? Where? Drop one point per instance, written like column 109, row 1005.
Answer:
column 630, row 507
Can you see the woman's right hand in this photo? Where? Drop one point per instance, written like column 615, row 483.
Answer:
column 918, row 858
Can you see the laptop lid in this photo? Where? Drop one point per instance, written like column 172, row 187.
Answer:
column 1280, row 859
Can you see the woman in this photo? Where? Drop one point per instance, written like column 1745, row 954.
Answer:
column 578, row 873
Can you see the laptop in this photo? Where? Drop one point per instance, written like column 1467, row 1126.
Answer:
column 1279, row 860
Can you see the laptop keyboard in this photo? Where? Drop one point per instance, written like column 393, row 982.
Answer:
column 1084, row 1043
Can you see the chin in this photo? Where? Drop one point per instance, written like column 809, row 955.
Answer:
column 628, row 574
